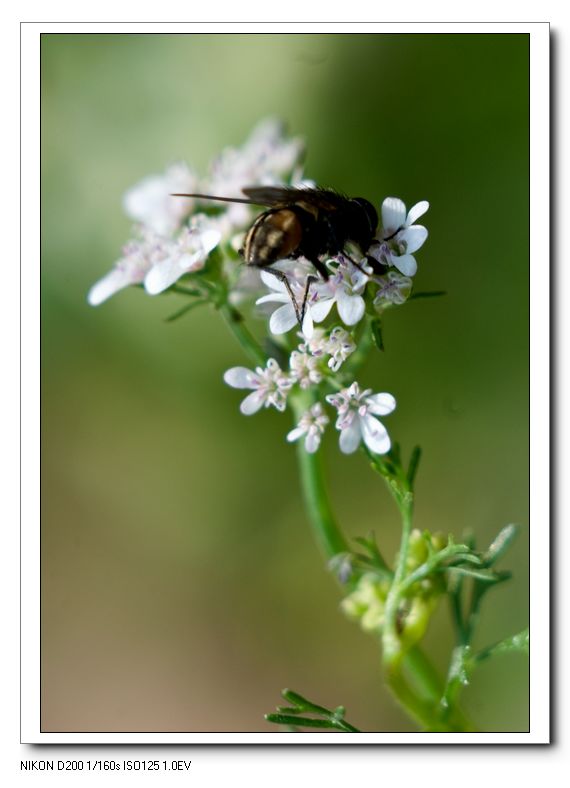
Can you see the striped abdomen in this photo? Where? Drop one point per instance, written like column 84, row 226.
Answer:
column 274, row 235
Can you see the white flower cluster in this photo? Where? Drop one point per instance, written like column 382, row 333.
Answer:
column 357, row 410
column 165, row 247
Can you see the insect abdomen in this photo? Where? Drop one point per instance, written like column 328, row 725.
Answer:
column 275, row 235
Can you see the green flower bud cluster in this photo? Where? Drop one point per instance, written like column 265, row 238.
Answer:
column 367, row 602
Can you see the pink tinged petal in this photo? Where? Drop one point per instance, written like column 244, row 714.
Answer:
column 241, row 378
column 416, row 211
column 110, row 284
column 405, row 263
column 393, row 215
column 350, row 307
column 283, row 319
column 375, row 435
column 312, row 442
column 381, row 404
column 320, row 310
column 252, row 403
column 350, row 437
column 414, row 237
column 295, row 434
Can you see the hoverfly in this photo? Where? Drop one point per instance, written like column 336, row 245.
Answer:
column 307, row 222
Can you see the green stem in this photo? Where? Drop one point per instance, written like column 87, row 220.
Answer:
column 390, row 638
column 423, row 674
column 235, row 323
column 325, row 528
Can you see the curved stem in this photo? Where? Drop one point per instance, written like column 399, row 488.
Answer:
column 390, row 638
column 327, row 532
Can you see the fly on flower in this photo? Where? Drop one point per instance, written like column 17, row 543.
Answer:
column 302, row 222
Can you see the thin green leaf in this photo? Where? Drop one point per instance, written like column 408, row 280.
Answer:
column 309, row 722
column 518, row 642
column 428, row 294
column 376, row 328
column 413, row 466
column 187, row 308
column 500, row 544
column 484, row 575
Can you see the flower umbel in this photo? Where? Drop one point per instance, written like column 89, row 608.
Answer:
column 357, row 412
column 270, row 386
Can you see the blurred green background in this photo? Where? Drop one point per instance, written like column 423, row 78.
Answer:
column 181, row 588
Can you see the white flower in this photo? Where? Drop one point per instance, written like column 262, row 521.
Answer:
column 186, row 255
column 150, row 201
column 357, row 420
column 393, row 289
column 400, row 237
column 304, row 368
column 270, row 386
column 139, row 256
column 344, row 289
column 284, row 318
column 339, row 347
column 338, row 344
column 312, row 425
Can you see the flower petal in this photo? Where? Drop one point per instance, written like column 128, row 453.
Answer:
column 209, row 240
column 162, row 275
column 283, row 319
column 272, row 282
column 295, row 434
column 381, row 404
column 375, row 435
column 413, row 237
column 393, row 215
column 308, row 327
column 312, row 442
column 241, row 378
column 252, row 403
column 320, row 310
column 350, row 437
column 416, row 211
column 350, row 307
column 274, row 298
column 110, row 284
column 405, row 263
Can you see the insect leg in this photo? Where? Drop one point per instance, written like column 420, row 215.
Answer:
column 389, row 237
column 354, row 263
column 321, row 268
column 282, row 278
column 310, row 280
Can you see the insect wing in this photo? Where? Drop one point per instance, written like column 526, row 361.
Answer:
column 270, row 195
column 323, row 199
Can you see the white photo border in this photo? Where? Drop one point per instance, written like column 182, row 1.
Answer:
column 539, row 733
